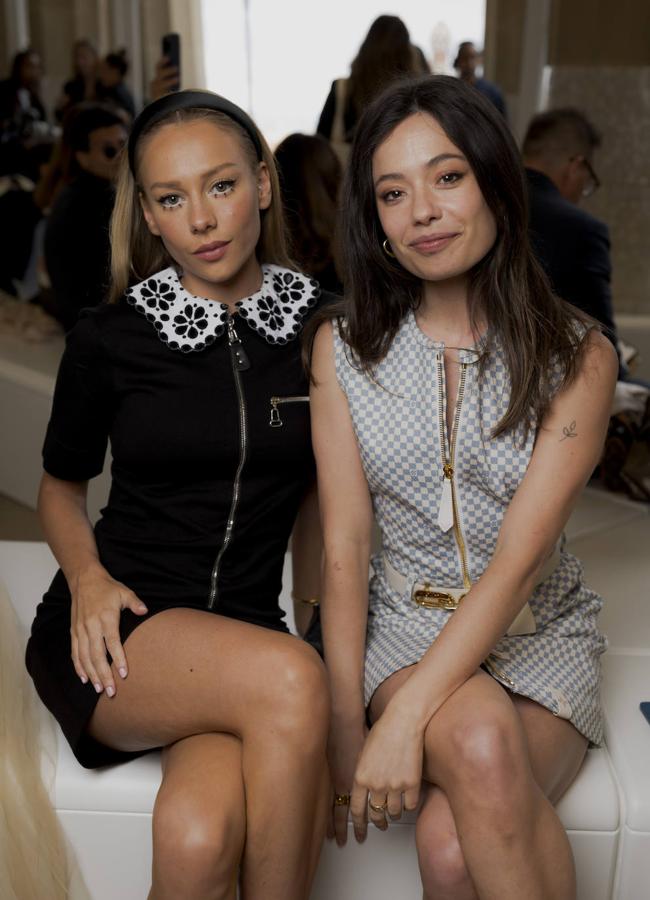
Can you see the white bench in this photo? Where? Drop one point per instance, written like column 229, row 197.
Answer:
column 106, row 814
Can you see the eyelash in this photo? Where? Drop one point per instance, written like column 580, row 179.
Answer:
column 226, row 184
column 389, row 197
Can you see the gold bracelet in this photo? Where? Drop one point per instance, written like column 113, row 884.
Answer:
column 311, row 601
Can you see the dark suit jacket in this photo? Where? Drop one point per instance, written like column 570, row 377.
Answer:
column 573, row 247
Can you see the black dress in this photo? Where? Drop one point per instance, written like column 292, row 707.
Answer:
column 184, row 392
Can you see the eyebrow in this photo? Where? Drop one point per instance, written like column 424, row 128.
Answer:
column 395, row 176
column 209, row 174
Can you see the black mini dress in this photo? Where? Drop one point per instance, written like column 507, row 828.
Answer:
column 207, row 414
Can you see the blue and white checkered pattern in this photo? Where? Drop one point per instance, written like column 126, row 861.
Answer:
column 396, row 420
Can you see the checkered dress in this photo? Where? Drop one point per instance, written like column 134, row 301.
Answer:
column 396, row 420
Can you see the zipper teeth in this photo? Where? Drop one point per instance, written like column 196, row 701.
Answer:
column 448, row 462
column 237, row 482
column 276, row 400
column 499, row 674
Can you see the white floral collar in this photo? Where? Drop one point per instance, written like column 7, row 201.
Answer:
column 186, row 323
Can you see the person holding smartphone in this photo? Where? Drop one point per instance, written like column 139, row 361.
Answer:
column 162, row 627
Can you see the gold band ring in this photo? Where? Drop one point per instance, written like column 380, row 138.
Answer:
column 341, row 799
column 378, row 809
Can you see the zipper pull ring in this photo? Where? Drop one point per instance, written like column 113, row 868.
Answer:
column 240, row 360
column 275, row 421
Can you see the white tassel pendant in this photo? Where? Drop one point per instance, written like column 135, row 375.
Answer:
column 446, row 509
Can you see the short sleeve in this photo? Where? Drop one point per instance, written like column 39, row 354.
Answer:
column 77, row 433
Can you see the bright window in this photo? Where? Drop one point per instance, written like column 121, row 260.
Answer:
column 278, row 58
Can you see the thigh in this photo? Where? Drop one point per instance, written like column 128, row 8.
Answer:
column 193, row 672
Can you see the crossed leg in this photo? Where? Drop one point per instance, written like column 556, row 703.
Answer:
column 243, row 713
column 494, row 764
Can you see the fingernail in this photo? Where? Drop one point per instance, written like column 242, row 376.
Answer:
column 110, row 690
column 84, row 680
column 122, row 672
column 98, row 688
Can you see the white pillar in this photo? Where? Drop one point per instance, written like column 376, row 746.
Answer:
column 534, row 55
column 17, row 22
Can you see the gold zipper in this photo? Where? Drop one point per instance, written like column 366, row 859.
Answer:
column 498, row 674
column 448, row 462
column 276, row 421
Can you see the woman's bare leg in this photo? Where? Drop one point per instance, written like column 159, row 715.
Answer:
column 495, row 759
column 192, row 672
column 199, row 820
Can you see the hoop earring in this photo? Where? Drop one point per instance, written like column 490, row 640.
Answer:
column 387, row 249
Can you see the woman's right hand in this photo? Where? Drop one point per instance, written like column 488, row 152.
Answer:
column 344, row 746
column 97, row 602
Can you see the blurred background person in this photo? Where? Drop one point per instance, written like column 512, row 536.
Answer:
column 77, row 246
column 466, row 63
column 112, row 88
column 25, row 135
column 83, row 84
column 385, row 54
column 310, row 179
column 571, row 244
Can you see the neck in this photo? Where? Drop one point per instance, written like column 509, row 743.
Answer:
column 443, row 313
column 543, row 168
column 245, row 282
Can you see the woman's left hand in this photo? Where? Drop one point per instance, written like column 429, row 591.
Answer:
column 389, row 768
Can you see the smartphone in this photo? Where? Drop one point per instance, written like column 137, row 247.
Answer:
column 171, row 48
column 645, row 709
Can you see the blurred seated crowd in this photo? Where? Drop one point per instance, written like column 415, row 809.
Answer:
column 56, row 183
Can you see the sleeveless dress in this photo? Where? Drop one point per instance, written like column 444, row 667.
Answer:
column 444, row 530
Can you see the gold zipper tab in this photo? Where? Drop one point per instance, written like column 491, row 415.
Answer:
column 275, row 420
column 448, row 511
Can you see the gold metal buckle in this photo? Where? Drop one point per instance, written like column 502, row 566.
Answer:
column 430, row 599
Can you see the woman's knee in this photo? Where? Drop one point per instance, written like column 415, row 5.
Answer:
column 296, row 694
column 485, row 766
column 199, row 843
column 442, row 864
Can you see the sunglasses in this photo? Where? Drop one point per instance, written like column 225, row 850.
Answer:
column 110, row 151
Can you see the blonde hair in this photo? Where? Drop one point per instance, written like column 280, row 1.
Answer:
column 33, row 859
column 136, row 253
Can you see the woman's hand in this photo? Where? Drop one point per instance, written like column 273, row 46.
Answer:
column 97, row 601
column 390, row 766
column 345, row 743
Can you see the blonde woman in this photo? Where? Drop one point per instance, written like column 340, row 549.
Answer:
column 162, row 628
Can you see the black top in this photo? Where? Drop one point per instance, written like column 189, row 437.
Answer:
column 573, row 248
column 493, row 93
column 77, row 246
column 181, row 423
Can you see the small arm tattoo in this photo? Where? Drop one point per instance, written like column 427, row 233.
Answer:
column 569, row 432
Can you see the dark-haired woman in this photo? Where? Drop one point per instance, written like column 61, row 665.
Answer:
column 193, row 372
column 111, row 87
column 310, row 180
column 467, row 406
column 385, row 54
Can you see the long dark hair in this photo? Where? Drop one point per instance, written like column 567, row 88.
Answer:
column 310, row 180
column 508, row 288
column 385, row 54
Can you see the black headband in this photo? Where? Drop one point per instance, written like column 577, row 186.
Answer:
column 160, row 108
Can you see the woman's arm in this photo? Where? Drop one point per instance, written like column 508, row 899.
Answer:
column 306, row 554
column 568, row 447
column 97, row 599
column 346, row 516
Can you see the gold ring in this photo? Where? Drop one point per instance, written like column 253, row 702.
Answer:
column 378, row 809
column 341, row 799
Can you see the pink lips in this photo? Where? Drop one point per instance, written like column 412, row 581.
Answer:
column 432, row 243
column 213, row 251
